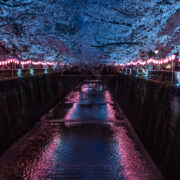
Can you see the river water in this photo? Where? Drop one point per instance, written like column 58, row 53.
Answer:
column 85, row 136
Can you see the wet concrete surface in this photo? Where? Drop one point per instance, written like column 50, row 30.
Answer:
column 85, row 136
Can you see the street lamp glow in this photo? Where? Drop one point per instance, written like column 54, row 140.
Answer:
column 156, row 51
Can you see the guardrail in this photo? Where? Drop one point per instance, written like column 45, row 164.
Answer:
column 158, row 75
column 18, row 73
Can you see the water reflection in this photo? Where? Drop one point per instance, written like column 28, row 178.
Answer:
column 81, row 138
column 92, row 105
column 33, row 156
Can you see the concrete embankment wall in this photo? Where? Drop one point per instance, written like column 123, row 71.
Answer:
column 154, row 110
column 24, row 100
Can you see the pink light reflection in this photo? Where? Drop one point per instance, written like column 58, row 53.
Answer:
column 110, row 110
column 134, row 166
column 47, row 160
column 108, row 97
column 85, row 88
column 69, row 115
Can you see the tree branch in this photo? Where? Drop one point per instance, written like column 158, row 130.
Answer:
column 115, row 44
column 120, row 11
column 125, row 13
column 108, row 21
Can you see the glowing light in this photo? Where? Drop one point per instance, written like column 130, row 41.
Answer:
column 10, row 61
column 19, row 73
column 45, row 71
column 55, row 67
column 156, row 51
column 26, row 62
column 177, row 78
column 32, row 72
column 153, row 61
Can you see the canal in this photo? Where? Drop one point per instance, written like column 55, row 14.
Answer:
column 85, row 136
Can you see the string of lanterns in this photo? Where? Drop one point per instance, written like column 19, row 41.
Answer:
column 151, row 61
column 134, row 63
column 14, row 61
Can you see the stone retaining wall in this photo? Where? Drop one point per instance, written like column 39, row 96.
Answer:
column 154, row 110
column 24, row 100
